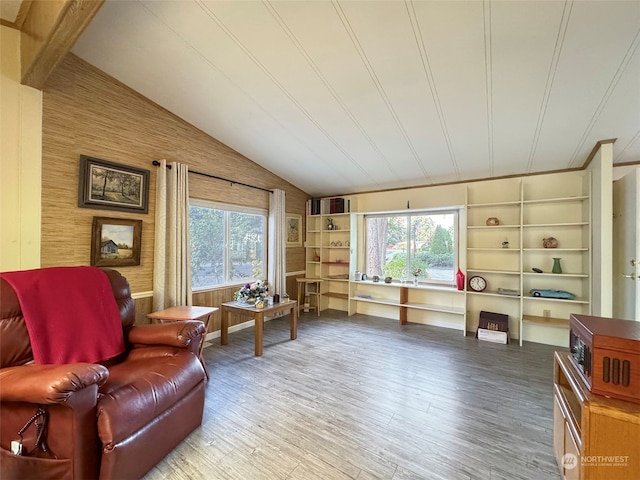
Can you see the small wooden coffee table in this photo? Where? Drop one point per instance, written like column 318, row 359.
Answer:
column 258, row 314
column 184, row 312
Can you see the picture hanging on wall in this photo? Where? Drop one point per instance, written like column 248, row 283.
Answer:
column 111, row 186
column 294, row 230
column 115, row 242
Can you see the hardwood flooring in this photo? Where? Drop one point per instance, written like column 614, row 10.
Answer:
column 363, row 398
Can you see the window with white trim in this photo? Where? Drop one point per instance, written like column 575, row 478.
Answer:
column 417, row 244
column 228, row 244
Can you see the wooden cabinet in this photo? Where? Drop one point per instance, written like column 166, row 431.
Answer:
column 594, row 437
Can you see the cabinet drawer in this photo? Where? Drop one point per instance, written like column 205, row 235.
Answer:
column 571, row 464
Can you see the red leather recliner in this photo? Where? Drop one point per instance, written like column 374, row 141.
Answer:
column 111, row 421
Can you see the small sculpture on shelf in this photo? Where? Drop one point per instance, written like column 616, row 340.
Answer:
column 330, row 224
column 492, row 221
column 505, row 244
column 550, row 242
column 387, row 279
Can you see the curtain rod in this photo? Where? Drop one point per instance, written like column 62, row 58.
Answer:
column 232, row 182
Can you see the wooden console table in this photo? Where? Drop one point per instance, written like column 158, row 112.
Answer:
column 184, row 312
column 258, row 314
column 594, row 437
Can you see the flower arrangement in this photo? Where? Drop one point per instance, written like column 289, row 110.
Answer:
column 252, row 292
column 416, row 273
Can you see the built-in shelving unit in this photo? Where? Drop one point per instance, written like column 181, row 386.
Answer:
column 504, row 252
column 410, row 303
column 328, row 248
column 528, row 211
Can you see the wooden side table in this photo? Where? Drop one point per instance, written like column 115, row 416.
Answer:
column 184, row 312
column 258, row 314
column 303, row 283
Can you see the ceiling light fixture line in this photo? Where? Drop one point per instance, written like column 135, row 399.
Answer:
column 363, row 56
column 223, row 74
column 426, row 67
column 488, row 69
column 282, row 88
column 553, row 67
column 285, row 28
column 626, row 60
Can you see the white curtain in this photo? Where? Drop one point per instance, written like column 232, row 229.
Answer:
column 277, row 243
column 171, row 259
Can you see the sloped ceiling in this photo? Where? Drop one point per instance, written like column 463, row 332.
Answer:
column 351, row 96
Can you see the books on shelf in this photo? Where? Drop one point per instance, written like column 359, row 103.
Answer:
column 314, row 206
column 328, row 206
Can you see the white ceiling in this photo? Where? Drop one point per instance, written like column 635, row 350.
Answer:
column 349, row 96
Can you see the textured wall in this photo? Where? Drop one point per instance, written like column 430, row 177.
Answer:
column 87, row 112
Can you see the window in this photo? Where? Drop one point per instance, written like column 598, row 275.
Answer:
column 228, row 244
column 399, row 245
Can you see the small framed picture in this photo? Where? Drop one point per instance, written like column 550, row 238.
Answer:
column 111, row 186
column 115, row 242
column 294, row 230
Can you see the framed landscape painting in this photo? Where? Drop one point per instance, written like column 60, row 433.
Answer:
column 294, row 229
column 115, row 242
column 112, row 186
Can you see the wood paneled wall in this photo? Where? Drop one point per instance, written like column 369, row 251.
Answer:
column 87, row 112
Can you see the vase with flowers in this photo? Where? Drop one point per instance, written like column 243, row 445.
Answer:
column 416, row 273
column 251, row 293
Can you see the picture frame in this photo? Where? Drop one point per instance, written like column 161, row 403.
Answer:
column 293, row 223
column 115, row 242
column 111, row 186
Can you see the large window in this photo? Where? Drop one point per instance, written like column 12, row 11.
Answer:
column 228, row 244
column 424, row 243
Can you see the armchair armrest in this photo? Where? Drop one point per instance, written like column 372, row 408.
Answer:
column 49, row 384
column 183, row 334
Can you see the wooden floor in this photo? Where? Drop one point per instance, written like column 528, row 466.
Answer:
column 362, row 397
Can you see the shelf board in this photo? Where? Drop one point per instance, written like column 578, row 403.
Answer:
column 409, row 284
column 344, row 296
column 550, row 274
column 434, row 308
column 380, row 301
column 417, row 306
column 346, row 264
column 577, row 198
column 491, row 249
column 513, row 203
column 493, row 293
column 562, row 300
column 488, row 271
column 490, row 227
column 341, row 230
column 546, row 321
column 562, row 224
column 551, row 250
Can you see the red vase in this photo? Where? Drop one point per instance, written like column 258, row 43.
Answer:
column 460, row 280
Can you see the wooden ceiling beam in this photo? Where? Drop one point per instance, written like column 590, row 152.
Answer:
column 49, row 31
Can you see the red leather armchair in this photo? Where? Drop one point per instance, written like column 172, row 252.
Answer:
column 111, row 421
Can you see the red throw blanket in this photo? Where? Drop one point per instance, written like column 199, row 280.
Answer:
column 70, row 313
